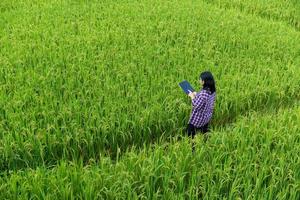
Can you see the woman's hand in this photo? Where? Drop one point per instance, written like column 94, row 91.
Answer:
column 192, row 94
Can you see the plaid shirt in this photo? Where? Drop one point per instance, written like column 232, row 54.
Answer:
column 203, row 105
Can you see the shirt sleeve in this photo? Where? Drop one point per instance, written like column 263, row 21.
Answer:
column 199, row 100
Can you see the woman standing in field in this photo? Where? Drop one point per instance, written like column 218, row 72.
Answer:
column 203, row 105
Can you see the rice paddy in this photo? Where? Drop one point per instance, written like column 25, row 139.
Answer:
column 90, row 106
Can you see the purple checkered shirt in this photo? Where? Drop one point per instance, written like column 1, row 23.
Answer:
column 203, row 105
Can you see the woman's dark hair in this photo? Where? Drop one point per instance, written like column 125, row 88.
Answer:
column 209, row 82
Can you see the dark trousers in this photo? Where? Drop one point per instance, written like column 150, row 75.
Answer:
column 191, row 129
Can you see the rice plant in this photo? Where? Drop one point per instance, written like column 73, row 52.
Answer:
column 90, row 105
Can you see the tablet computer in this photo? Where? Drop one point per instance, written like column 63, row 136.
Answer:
column 186, row 87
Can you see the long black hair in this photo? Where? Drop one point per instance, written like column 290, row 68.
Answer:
column 209, row 82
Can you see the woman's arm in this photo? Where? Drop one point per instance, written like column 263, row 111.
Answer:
column 192, row 94
column 199, row 99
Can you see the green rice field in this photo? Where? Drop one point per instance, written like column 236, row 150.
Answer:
column 90, row 106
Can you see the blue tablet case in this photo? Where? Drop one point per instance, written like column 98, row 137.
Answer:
column 186, row 86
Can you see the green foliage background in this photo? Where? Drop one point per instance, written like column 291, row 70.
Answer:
column 90, row 105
